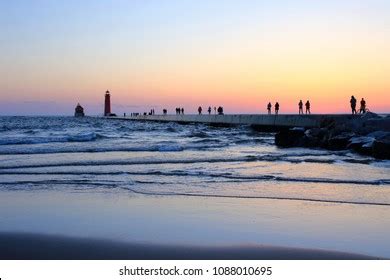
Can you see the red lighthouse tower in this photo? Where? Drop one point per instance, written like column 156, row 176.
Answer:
column 107, row 104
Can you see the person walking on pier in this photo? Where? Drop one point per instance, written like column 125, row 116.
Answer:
column 200, row 110
column 300, row 106
column 182, row 111
column 362, row 106
column 307, row 105
column 353, row 105
column 209, row 110
column 277, row 108
column 269, row 108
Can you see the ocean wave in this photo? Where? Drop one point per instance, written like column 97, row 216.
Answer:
column 122, row 163
column 170, row 148
column 171, row 129
column 4, row 128
column 174, row 148
column 207, row 140
column 198, row 134
column 258, row 197
column 113, row 147
column 85, row 185
column 225, row 175
column 82, row 137
column 253, row 141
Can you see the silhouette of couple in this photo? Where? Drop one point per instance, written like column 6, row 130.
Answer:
column 269, row 108
column 353, row 102
column 307, row 106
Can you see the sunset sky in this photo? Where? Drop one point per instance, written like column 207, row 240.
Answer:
column 167, row 53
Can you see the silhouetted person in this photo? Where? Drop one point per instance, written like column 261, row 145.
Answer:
column 220, row 110
column 277, row 108
column 200, row 110
column 300, row 105
column 353, row 104
column 164, row 111
column 182, row 111
column 307, row 105
column 362, row 106
column 209, row 110
column 269, row 108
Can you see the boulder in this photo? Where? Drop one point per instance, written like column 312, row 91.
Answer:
column 361, row 144
column 370, row 116
column 340, row 141
column 381, row 149
column 290, row 138
column 315, row 137
column 380, row 135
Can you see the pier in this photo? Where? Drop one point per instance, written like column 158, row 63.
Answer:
column 269, row 122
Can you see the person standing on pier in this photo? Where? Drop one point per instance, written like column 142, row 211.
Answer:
column 200, row 110
column 300, row 105
column 182, row 111
column 269, row 108
column 307, row 105
column 209, row 110
column 277, row 108
column 353, row 105
column 362, row 106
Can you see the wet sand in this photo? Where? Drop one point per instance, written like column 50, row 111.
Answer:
column 24, row 246
column 89, row 225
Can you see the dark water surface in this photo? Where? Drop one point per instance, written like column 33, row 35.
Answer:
column 187, row 184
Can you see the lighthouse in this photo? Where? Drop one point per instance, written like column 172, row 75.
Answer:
column 107, row 104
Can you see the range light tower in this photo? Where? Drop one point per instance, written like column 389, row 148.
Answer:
column 107, row 104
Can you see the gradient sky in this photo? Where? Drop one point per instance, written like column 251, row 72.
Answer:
column 168, row 53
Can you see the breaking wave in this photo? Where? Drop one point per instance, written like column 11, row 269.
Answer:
column 83, row 185
column 83, row 137
column 225, row 175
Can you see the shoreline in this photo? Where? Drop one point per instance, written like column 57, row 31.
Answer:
column 29, row 246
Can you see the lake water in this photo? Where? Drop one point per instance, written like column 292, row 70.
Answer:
column 166, row 183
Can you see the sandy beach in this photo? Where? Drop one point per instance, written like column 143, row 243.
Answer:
column 22, row 246
column 106, row 225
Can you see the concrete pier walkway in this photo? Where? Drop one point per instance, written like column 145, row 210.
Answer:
column 266, row 121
